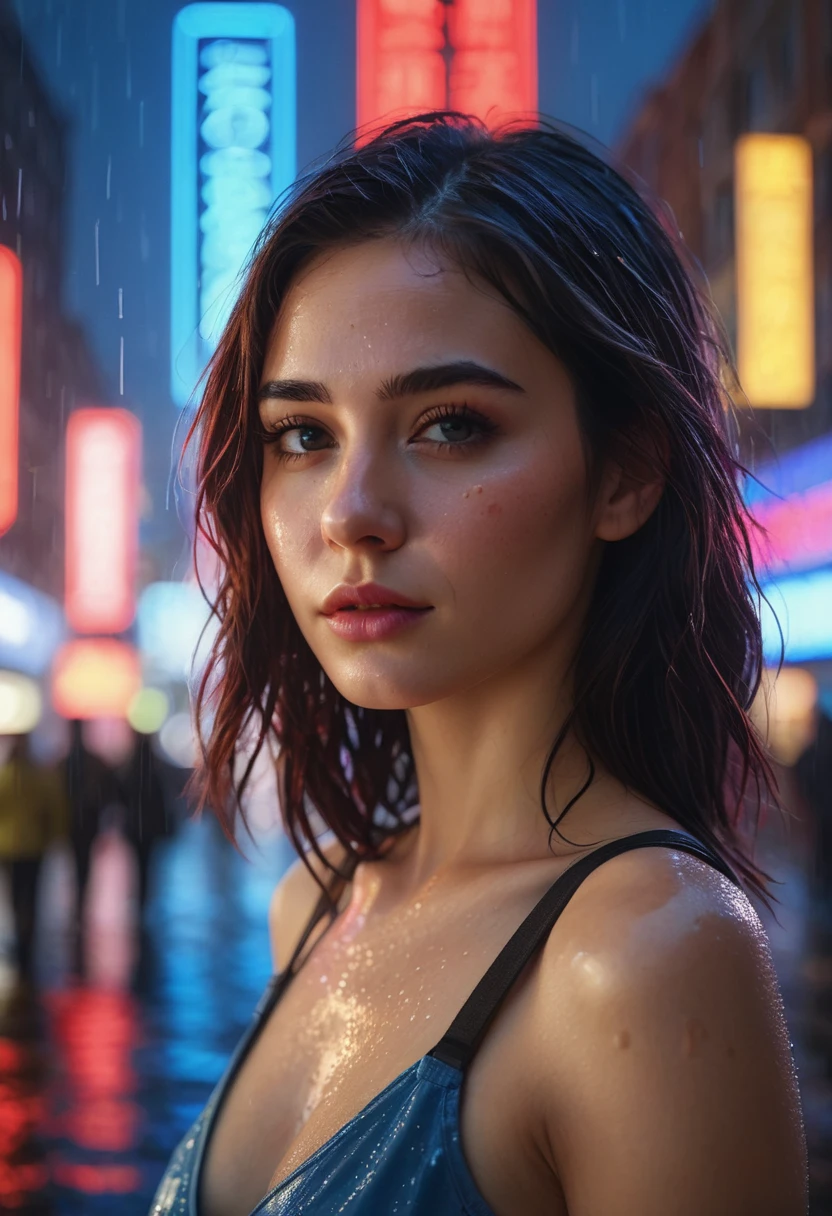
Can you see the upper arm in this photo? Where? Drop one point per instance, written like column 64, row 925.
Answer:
column 667, row 1083
column 293, row 902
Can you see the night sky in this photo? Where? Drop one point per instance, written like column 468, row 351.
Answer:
column 107, row 66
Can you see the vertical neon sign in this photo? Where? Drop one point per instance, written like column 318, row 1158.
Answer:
column 400, row 66
column 11, row 307
column 479, row 56
column 775, row 270
column 103, row 454
column 232, row 155
column 494, row 63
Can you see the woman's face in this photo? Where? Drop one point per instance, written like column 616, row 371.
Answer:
column 464, row 491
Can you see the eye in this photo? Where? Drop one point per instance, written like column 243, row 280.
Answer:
column 294, row 437
column 455, row 426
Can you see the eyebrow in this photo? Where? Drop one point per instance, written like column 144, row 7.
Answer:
column 419, row 380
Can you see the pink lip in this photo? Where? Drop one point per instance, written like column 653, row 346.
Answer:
column 373, row 624
column 366, row 595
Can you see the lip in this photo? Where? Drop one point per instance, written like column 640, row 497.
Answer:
column 366, row 595
column 374, row 624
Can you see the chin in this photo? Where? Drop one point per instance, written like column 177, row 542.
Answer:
column 385, row 690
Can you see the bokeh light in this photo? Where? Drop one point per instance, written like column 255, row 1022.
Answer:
column 148, row 710
column 21, row 703
column 95, row 677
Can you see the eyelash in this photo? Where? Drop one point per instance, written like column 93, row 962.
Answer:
column 439, row 413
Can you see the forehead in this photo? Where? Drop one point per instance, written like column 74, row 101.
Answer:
column 380, row 303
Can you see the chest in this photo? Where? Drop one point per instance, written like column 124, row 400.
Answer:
column 365, row 1007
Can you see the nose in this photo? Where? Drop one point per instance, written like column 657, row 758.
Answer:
column 363, row 508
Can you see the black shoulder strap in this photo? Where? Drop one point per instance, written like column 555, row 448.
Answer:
column 469, row 1026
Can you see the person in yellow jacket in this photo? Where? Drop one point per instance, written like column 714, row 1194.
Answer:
column 33, row 814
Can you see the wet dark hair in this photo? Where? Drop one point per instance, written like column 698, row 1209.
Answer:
column 671, row 654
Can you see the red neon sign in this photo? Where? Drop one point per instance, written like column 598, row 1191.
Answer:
column 11, row 310
column 494, row 63
column 400, row 66
column 103, row 453
column 405, row 47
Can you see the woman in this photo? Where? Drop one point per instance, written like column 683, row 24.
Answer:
column 463, row 455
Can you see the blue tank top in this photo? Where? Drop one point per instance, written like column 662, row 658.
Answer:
column 401, row 1154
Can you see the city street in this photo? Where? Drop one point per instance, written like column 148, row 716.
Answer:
column 101, row 1078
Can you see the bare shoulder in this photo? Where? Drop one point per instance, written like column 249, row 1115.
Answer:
column 660, row 1033
column 293, row 901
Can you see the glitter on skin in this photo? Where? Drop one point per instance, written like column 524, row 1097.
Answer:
column 330, row 1047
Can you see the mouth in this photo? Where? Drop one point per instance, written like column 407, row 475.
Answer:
column 380, row 608
column 368, row 598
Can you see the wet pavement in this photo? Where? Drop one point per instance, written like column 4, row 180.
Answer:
column 99, row 1078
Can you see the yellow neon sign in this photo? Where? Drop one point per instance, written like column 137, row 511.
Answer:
column 775, row 276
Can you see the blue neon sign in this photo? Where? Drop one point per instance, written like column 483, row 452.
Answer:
column 232, row 156
column 802, row 604
column 793, row 473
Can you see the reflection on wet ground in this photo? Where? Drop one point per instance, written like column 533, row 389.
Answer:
column 100, row 1077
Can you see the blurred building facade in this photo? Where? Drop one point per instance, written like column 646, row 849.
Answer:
column 764, row 66
column 754, row 65
column 57, row 369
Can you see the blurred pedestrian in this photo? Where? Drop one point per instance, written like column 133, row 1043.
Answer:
column 91, row 786
column 147, row 817
column 33, row 814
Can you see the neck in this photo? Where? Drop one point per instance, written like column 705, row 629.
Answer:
column 479, row 762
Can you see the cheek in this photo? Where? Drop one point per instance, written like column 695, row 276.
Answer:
column 289, row 530
column 278, row 535
column 526, row 532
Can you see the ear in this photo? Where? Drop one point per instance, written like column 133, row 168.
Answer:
column 631, row 486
